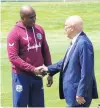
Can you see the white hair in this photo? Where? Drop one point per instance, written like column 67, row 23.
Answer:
column 75, row 19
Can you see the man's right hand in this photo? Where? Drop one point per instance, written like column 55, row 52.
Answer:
column 37, row 71
column 80, row 100
column 40, row 71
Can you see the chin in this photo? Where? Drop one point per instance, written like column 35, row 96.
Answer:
column 31, row 25
column 68, row 36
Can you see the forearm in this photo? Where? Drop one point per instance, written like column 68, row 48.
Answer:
column 55, row 68
column 18, row 62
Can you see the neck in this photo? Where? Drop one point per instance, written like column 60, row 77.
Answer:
column 74, row 34
column 28, row 27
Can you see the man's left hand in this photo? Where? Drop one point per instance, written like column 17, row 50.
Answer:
column 50, row 81
column 80, row 100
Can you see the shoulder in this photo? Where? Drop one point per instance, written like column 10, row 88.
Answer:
column 13, row 33
column 84, row 40
column 40, row 30
column 85, row 45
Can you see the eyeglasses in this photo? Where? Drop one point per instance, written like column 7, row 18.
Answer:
column 66, row 27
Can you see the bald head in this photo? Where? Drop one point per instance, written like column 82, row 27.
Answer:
column 25, row 10
column 74, row 20
column 75, row 23
column 28, row 15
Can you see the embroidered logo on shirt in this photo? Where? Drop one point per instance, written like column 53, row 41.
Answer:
column 19, row 88
column 39, row 36
column 11, row 44
column 36, row 46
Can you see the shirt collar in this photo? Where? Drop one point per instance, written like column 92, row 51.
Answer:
column 75, row 38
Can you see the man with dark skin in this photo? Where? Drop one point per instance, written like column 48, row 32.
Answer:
column 27, row 50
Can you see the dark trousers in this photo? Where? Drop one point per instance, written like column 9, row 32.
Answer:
column 27, row 91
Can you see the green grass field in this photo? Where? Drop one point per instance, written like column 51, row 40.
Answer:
column 51, row 16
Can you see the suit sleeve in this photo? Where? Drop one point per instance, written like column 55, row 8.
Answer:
column 13, row 52
column 87, row 66
column 45, row 51
column 55, row 68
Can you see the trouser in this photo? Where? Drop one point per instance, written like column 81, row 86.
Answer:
column 27, row 91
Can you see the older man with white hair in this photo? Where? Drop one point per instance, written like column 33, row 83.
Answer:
column 77, row 79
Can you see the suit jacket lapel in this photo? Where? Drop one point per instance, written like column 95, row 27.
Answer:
column 64, row 58
column 70, row 54
column 72, row 50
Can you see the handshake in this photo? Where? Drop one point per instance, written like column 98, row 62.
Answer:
column 41, row 71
